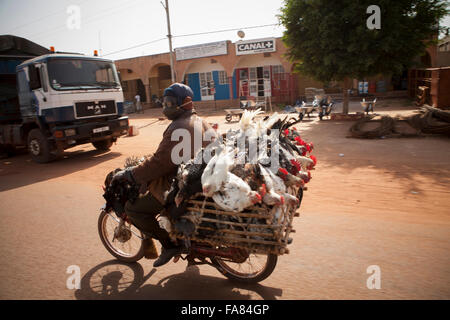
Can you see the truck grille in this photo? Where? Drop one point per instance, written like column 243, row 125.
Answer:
column 95, row 108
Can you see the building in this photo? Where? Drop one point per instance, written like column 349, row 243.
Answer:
column 219, row 73
column 222, row 73
column 443, row 54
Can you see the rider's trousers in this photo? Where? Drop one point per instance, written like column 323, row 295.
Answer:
column 143, row 215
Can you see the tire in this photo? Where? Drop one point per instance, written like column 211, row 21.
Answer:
column 92, row 287
column 103, row 145
column 39, row 147
column 236, row 276
column 228, row 117
column 126, row 258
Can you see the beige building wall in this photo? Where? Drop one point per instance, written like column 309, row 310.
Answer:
column 443, row 54
column 443, row 59
column 142, row 68
column 146, row 68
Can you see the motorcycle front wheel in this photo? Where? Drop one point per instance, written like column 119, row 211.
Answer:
column 128, row 247
column 256, row 268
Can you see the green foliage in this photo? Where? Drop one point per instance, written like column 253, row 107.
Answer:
column 330, row 39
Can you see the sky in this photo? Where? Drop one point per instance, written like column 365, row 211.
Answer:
column 113, row 25
column 110, row 26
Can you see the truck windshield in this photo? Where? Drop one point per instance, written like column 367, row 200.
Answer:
column 69, row 74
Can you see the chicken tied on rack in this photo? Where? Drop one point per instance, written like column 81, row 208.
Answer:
column 264, row 163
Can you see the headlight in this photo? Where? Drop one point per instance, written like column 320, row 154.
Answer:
column 123, row 123
column 70, row 132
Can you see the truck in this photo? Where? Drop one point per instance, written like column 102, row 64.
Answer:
column 51, row 101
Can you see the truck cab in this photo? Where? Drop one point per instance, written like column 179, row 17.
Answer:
column 66, row 100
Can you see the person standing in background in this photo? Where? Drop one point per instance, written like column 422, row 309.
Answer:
column 138, row 104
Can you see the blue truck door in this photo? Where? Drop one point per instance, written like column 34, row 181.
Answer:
column 27, row 99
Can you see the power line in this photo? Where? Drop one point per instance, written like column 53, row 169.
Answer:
column 226, row 30
column 134, row 47
column 192, row 34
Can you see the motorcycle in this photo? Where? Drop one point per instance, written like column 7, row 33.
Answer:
column 325, row 106
column 124, row 241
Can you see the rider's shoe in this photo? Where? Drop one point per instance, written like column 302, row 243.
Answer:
column 150, row 250
column 166, row 255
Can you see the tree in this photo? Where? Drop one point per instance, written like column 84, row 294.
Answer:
column 331, row 40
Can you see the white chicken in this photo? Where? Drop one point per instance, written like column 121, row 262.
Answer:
column 248, row 136
column 305, row 161
column 216, row 171
column 290, row 200
column 236, row 195
column 208, row 174
column 274, row 188
column 247, row 120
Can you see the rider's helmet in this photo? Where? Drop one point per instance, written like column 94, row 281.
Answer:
column 177, row 99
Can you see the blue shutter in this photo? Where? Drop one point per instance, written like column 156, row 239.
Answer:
column 194, row 83
column 222, row 90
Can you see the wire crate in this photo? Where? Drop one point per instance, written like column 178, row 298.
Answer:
column 257, row 229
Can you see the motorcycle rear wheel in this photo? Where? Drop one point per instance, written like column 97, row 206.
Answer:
column 107, row 239
column 232, row 270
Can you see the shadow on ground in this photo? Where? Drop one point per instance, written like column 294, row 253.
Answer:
column 113, row 280
column 407, row 159
column 25, row 172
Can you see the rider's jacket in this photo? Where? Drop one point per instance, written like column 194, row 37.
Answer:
column 158, row 170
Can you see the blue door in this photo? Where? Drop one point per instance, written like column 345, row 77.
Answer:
column 27, row 100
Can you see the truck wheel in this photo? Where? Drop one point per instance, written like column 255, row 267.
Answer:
column 103, row 145
column 39, row 147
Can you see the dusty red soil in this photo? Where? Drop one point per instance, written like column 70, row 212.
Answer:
column 371, row 202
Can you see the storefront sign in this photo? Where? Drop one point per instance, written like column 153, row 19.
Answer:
column 202, row 50
column 255, row 46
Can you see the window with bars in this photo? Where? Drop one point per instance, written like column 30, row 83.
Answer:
column 205, row 79
column 277, row 69
column 266, row 72
column 243, row 74
column 223, row 79
column 253, row 75
column 278, row 72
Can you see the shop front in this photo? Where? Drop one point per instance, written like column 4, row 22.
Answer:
column 205, row 75
column 209, row 85
column 259, row 72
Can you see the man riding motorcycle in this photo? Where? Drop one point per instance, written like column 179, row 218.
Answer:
column 155, row 174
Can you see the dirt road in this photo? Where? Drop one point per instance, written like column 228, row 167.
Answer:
column 371, row 202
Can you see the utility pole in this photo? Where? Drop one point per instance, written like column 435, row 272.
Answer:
column 172, row 70
column 99, row 43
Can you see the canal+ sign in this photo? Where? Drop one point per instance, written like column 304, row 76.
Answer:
column 255, row 46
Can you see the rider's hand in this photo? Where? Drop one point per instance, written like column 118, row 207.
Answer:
column 127, row 175
column 124, row 175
